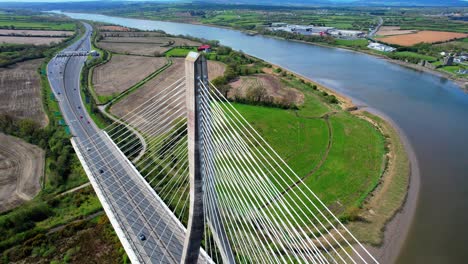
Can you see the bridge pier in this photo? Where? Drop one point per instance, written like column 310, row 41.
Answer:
column 196, row 71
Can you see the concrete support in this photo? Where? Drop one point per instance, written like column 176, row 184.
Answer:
column 195, row 69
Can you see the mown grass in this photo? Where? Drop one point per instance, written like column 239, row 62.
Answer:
column 454, row 69
column 179, row 51
column 300, row 141
column 353, row 165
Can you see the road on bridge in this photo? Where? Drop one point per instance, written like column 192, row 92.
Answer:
column 132, row 206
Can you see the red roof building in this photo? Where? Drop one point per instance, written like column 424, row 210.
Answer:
column 205, row 48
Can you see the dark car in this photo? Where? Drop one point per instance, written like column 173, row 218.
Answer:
column 142, row 237
column 101, row 171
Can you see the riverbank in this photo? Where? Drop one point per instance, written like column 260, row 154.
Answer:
column 461, row 82
column 383, row 222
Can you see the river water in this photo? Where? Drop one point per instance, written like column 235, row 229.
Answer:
column 431, row 111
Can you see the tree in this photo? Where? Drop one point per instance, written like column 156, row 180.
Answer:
column 256, row 93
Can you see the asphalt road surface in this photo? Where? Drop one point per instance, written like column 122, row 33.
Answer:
column 131, row 204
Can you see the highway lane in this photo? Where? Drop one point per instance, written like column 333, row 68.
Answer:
column 131, row 204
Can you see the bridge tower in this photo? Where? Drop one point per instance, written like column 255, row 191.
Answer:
column 196, row 73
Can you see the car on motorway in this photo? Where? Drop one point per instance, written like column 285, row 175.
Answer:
column 142, row 237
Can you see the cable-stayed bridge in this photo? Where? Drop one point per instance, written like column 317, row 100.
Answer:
column 207, row 187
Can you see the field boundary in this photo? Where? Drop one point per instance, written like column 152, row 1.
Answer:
column 138, row 85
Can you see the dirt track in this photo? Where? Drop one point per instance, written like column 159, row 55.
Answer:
column 20, row 92
column 122, row 72
column 21, row 171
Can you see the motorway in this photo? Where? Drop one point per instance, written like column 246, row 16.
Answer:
column 133, row 207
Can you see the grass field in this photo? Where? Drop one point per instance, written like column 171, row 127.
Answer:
column 179, row 52
column 12, row 21
column 413, row 55
column 415, row 21
column 358, row 43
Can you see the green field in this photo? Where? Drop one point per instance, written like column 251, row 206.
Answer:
column 358, row 43
column 179, row 51
column 455, row 70
column 420, row 22
column 353, row 165
column 13, row 21
column 411, row 56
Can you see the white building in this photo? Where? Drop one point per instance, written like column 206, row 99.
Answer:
column 346, row 33
column 380, row 47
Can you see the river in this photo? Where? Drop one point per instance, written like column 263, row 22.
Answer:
column 431, row 111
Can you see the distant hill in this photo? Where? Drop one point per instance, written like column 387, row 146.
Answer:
column 412, row 2
column 346, row 2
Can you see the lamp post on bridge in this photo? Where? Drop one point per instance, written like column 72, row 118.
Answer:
column 196, row 71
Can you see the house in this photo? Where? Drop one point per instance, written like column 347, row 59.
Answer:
column 205, row 48
column 380, row 47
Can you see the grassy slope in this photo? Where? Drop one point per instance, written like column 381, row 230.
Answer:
column 354, row 163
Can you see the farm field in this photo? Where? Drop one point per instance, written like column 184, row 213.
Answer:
column 393, row 30
column 272, row 85
column 23, row 21
column 122, row 72
column 458, row 44
column 47, row 33
column 149, row 46
column 20, row 92
column 21, row 171
column 422, row 36
column 113, row 28
column 30, row 40
column 161, row 81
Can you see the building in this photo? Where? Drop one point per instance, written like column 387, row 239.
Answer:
column 302, row 29
column 380, row 47
column 205, row 48
column 339, row 33
column 448, row 61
